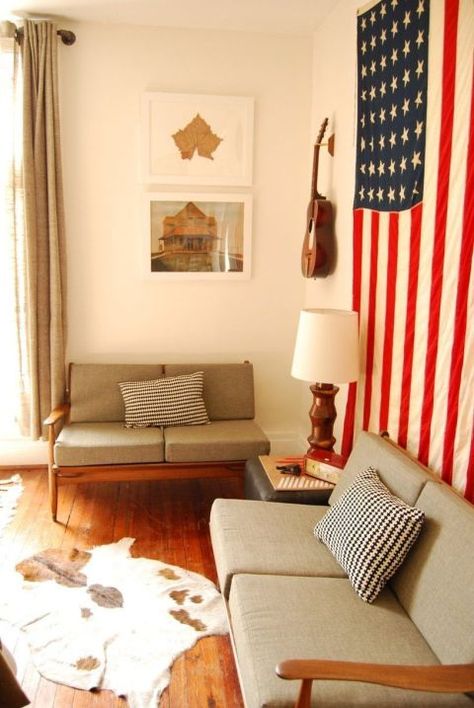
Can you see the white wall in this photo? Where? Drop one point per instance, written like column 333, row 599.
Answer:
column 334, row 77
column 115, row 314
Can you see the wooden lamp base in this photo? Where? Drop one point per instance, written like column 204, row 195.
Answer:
column 322, row 415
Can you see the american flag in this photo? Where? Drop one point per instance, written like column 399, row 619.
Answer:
column 413, row 237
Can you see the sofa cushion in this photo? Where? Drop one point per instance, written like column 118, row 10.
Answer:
column 403, row 476
column 267, row 538
column 174, row 400
column 436, row 583
column 225, row 440
column 107, row 443
column 370, row 532
column 228, row 388
column 94, row 393
column 280, row 617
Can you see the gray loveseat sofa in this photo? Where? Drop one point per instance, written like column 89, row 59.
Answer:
column 94, row 445
column 294, row 614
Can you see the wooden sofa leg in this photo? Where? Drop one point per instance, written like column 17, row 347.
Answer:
column 53, row 492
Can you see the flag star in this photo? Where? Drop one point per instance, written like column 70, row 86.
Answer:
column 418, row 99
column 363, row 72
column 416, row 159
column 406, row 77
column 394, row 56
column 361, row 193
column 363, row 24
column 383, row 36
column 362, row 144
column 372, row 116
column 405, row 135
column 382, row 141
column 383, row 61
column 391, row 194
column 383, row 88
column 394, row 4
column 373, row 67
column 391, row 167
column 362, row 168
column 381, row 168
column 419, row 128
column 403, row 164
column 372, row 18
column 382, row 115
column 415, row 188
column 370, row 194
column 406, row 106
column 383, row 10
column 420, row 9
column 419, row 39
column 363, row 48
column 419, row 68
column 362, row 120
column 406, row 48
column 394, row 29
column 363, row 95
column 373, row 41
column 393, row 139
column 380, row 194
column 402, row 193
column 393, row 111
column 394, row 83
column 372, row 93
column 371, row 168
column 406, row 19
column 371, row 143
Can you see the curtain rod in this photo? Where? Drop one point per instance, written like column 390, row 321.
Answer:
column 67, row 37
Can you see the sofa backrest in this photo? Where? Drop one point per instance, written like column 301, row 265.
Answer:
column 435, row 584
column 403, row 476
column 228, row 388
column 94, row 393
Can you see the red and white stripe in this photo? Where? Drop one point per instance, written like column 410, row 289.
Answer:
column 414, row 279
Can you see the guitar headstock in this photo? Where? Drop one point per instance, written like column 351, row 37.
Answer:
column 322, row 130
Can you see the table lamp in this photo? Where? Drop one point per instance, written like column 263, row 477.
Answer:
column 326, row 350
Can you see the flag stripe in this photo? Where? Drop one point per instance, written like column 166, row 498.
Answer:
column 415, row 241
column 389, row 319
column 465, row 272
column 356, row 288
column 369, row 365
column 445, row 138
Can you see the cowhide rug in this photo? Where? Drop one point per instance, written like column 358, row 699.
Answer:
column 102, row 619
column 11, row 490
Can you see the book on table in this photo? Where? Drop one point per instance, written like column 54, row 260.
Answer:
column 287, row 482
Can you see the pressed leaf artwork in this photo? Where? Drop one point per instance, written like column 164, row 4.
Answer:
column 196, row 135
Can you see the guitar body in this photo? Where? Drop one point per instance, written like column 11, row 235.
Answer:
column 318, row 239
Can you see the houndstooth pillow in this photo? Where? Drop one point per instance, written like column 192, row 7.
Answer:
column 369, row 531
column 176, row 400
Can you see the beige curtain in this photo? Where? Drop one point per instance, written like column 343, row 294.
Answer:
column 44, row 222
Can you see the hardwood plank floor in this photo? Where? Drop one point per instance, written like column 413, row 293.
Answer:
column 170, row 522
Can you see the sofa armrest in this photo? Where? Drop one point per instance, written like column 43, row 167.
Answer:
column 57, row 414
column 455, row 678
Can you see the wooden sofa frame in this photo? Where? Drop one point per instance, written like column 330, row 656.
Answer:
column 60, row 476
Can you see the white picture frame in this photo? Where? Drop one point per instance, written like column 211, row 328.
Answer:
column 197, row 236
column 230, row 120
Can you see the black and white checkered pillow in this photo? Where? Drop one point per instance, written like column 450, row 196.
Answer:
column 176, row 400
column 369, row 531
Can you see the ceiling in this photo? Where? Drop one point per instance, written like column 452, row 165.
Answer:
column 285, row 16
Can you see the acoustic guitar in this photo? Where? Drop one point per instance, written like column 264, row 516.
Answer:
column 319, row 222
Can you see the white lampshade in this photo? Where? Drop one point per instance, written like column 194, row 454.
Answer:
column 326, row 349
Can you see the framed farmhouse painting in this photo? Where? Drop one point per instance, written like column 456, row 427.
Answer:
column 197, row 236
column 197, row 139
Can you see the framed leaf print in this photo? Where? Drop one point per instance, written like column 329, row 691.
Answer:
column 197, row 139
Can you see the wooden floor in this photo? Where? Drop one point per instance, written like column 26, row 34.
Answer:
column 169, row 521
